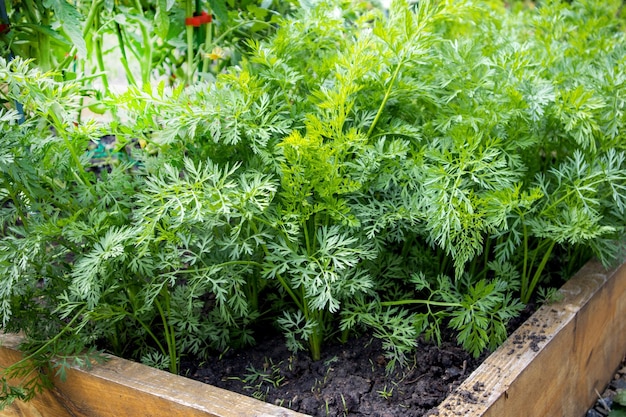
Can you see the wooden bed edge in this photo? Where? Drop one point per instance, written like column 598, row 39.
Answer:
column 554, row 362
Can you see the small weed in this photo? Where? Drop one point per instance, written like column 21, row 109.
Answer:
column 386, row 393
column 261, row 395
column 345, row 406
column 549, row 295
column 224, row 353
column 260, row 381
column 317, row 386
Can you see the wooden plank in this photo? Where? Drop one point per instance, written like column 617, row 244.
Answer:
column 124, row 388
column 46, row 404
column 121, row 388
column 552, row 365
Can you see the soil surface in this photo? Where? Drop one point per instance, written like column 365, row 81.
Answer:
column 350, row 379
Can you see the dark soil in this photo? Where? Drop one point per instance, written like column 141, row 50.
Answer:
column 350, row 379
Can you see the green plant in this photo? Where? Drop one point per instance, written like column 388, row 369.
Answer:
column 346, row 410
column 261, row 381
column 619, row 407
column 400, row 172
column 549, row 295
column 386, row 393
column 43, row 181
column 478, row 312
column 35, row 371
column 180, row 40
column 92, row 247
column 30, row 32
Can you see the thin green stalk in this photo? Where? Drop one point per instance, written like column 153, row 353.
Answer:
column 418, row 301
column 534, row 255
column 151, row 334
column 293, row 296
column 170, row 337
column 32, row 11
column 136, row 53
column 189, row 32
column 146, row 61
column 473, row 266
column 486, row 256
column 385, row 98
column 317, row 337
column 94, row 11
column 299, row 300
column 528, row 291
column 82, row 174
column 443, row 260
column 524, row 283
column 315, row 343
column 207, row 42
column 233, row 28
column 99, row 57
column 282, row 281
column 42, row 348
column 124, row 59
column 307, row 241
column 252, row 284
column 345, row 333
column 227, row 263
column 44, row 44
column 147, row 328
column 33, row 16
column 251, row 290
column 566, row 195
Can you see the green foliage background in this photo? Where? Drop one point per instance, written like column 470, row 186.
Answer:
column 401, row 171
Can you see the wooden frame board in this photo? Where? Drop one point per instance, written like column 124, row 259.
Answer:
column 550, row 366
column 554, row 364
column 122, row 388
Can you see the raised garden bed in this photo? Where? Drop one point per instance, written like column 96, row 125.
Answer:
column 552, row 365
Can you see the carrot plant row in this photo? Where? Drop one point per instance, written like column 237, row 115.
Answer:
column 399, row 171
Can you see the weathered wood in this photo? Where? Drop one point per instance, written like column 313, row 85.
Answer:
column 550, row 366
column 554, row 363
column 47, row 404
column 121, row 388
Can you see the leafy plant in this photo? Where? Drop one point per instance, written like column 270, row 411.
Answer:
column 549, row 295
column 260, row 381
column 386, row 393
column 151, row 39
column 406, row 171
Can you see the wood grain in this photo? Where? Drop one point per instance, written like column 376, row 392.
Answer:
column 121, row 388
column 46, row 404
column 553, row 364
